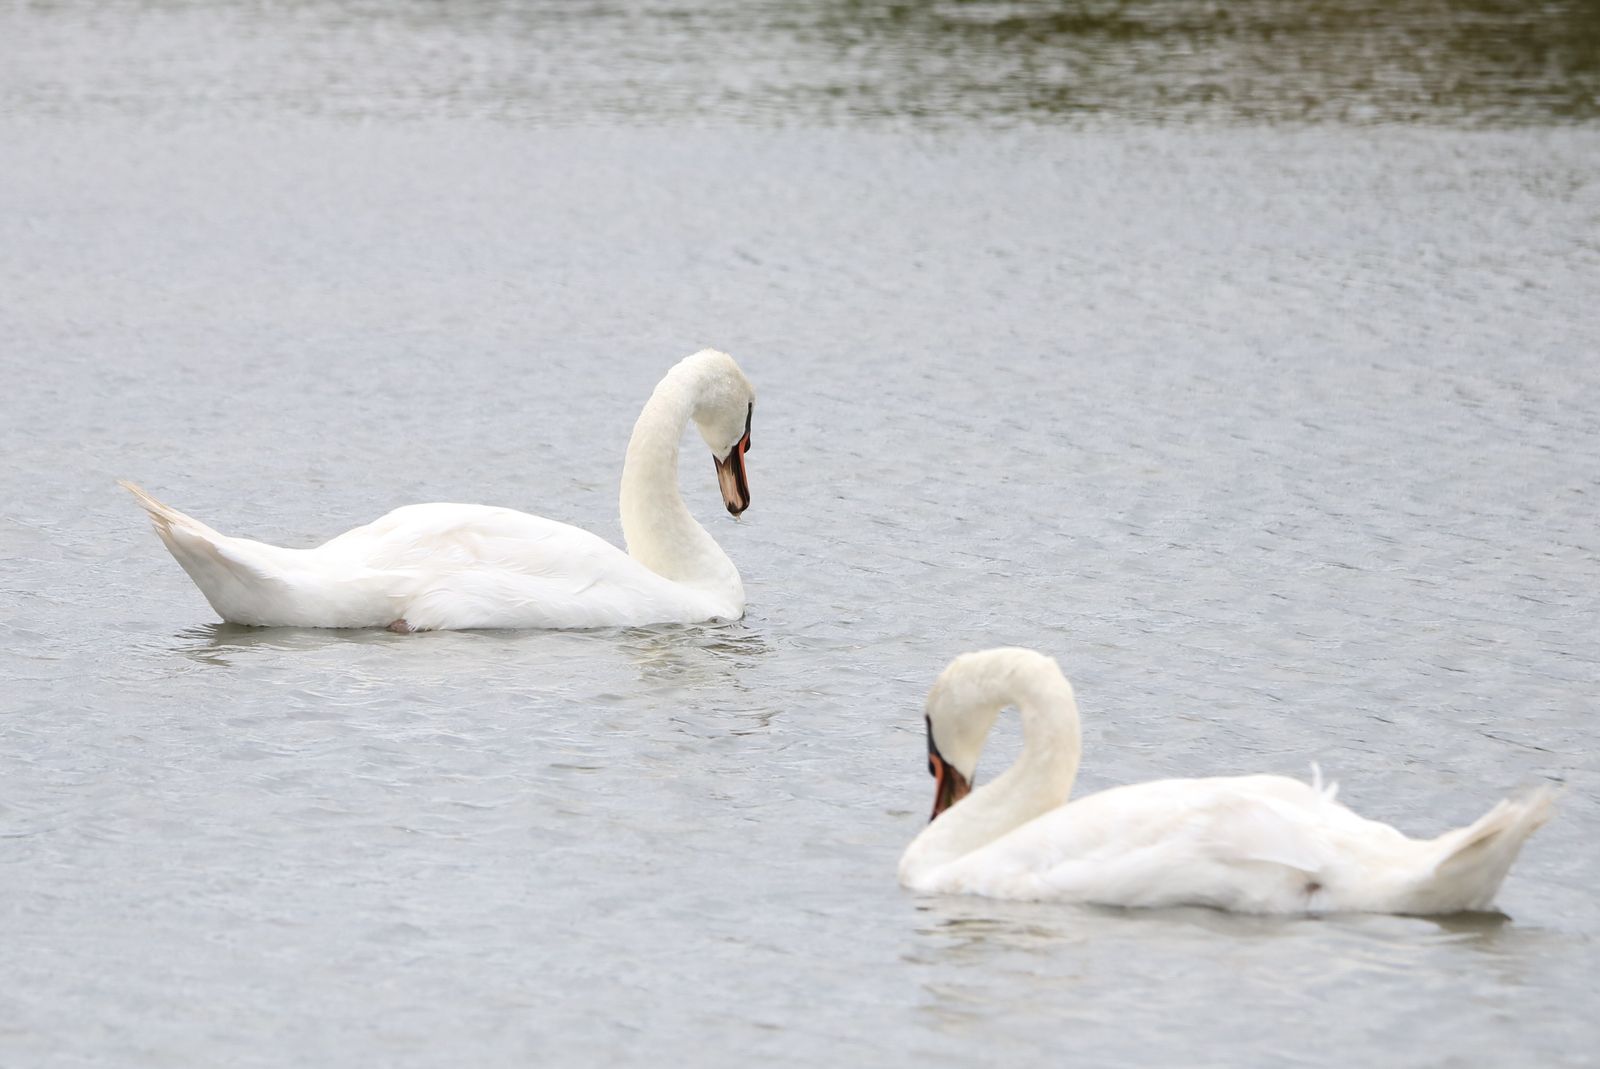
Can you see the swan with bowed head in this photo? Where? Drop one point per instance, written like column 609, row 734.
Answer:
column 443, row 566
column 1255, row 844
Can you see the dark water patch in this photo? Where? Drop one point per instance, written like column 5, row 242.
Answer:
column 1439, row 62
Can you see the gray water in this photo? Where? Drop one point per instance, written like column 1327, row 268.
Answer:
column 1242, row 360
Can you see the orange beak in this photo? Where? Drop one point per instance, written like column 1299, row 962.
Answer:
column 949, row 786
column 731, row 474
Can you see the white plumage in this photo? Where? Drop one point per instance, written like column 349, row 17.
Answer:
column 1257, row 844
column 440, row 566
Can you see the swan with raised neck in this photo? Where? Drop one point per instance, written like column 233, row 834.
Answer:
column 657, row 526
column 441, row 566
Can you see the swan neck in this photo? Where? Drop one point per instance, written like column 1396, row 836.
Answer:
column 657, row 526
column 1051, row 732
column 1038, row 781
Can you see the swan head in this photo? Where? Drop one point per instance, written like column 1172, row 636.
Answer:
column 958, row 716
column 963, row 705
column 724, row 405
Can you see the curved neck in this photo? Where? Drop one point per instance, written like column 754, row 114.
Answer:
column 1040, row 779
column 656, row 524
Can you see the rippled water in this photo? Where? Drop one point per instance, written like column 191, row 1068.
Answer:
column 1278, row 425
column 1468, row 62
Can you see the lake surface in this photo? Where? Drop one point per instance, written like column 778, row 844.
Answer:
column 1243, row 360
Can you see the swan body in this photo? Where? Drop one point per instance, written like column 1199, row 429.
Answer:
column 445, row 566
column 1255, row 844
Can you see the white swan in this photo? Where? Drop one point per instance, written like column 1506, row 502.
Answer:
column 430, row 567
column 1256, row 844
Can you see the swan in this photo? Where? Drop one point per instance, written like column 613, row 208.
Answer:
column 442, row 566
column 1253, row 844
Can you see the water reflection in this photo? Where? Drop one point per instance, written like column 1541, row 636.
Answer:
column 673, row 661
column 982, row 965
column 665, row 657
column 221, row 644
column 959, row 927
column 966, row 924
column 693, row 655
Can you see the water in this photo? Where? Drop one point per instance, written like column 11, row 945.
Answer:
column 1275, row 417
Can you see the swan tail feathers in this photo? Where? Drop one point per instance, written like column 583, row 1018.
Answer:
column 234, row 574
column 1472, row 862
column 165, row 518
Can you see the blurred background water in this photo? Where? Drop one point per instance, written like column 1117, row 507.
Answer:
column 578, row 62
column 1240, row 356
